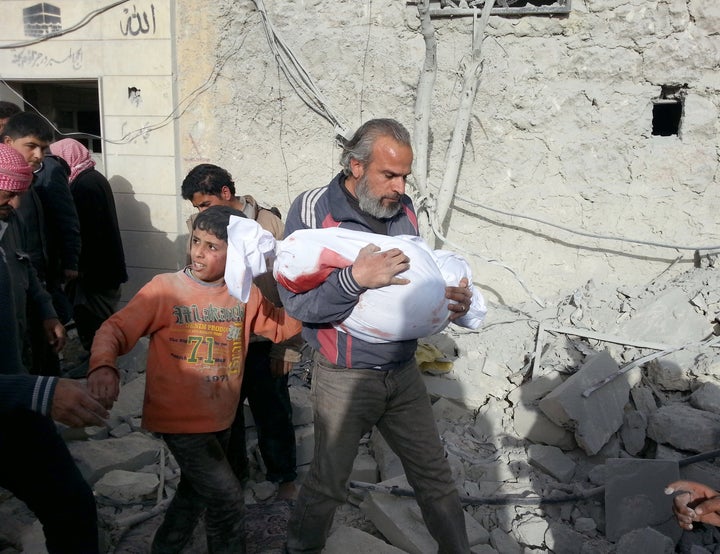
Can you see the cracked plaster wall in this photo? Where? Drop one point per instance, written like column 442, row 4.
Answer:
column 561, row 127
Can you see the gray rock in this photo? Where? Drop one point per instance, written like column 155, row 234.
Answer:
column 551, row 460
column 645, row 540
column 593, row 419
column 132, row 452
column 707, row 397
column 504, row 542
column 633, row 431
column 348, row 540
column 635, row 498
column 685, row 428
column 127, row 487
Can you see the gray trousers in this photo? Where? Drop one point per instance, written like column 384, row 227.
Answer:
column 347, row 403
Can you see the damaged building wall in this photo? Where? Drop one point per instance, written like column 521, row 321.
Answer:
column 561, row 129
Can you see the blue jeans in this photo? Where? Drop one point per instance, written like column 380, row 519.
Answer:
column 37, row 468
column 347, row 403
column 207, row 483
column 269, row 401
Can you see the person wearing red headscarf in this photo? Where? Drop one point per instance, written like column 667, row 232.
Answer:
column 36, row 465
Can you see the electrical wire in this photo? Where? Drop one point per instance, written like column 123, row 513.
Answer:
column 585, row 233
column 176, row 113
column 298, row 77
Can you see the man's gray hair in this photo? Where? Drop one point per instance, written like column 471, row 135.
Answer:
column 360, row 146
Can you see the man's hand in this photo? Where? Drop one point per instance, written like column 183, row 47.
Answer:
column 73, row 405
column 55, row 333
column 694, row 502
column 104, row 385
column 373, row 269
column 461, row 296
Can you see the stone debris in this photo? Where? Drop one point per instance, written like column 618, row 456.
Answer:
column 518, row 425
column 634, row 497
column 354, row 541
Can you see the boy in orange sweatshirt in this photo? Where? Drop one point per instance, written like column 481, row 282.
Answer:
column 199, row 335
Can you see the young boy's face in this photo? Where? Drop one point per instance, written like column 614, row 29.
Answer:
column 31, row 148
column 208, row 254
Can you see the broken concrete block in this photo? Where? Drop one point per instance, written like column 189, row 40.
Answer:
column 685, row 428
column 400, row 521
column 635, row 498
column 130, row 399
column 95, row 458
column 644, row 400
column 348, row 540
column 561, row 539
column 530, row 531
column 633, row 431
column 596, row 418
column 482, row 549
column 302, row 410
column 667, row 318
column 127, row 487
column 707, row 397
column 585, row 525
column 121, row 430
column 552, row 461
column 646, row 539
column 670, row 374
column 365, row 469
column 504, row 542
column 445, row 408
column 263, row 490
column 304, row 444
column 531, row 424
column 469, row 387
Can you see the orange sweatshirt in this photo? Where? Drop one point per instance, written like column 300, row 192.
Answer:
column 199, row 336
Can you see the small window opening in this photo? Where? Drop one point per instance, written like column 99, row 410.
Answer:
column 667, row 111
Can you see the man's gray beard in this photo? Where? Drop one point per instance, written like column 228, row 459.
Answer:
column 371, row 205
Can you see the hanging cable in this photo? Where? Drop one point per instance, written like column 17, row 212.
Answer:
column 84, row 21
column 298, row 77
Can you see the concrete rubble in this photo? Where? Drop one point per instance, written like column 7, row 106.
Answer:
column 518, row 429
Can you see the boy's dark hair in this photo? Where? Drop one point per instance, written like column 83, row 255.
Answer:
column 215, row 220
column 206, row 179
column 28, row 124
column 8, row 109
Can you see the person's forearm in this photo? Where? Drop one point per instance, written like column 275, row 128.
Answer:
column 28, row 392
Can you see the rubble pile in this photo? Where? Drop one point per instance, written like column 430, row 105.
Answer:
column 562, row 424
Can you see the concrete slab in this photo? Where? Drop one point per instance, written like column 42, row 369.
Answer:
column 349, row 540
column 131, row 452
column 634, row 497
column 685, row 428
column 596, row 418
column 552, row 461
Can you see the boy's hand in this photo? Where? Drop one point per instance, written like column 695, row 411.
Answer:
column 694, row 502
column 462, row 297
column 104, row 384
column 73, row 405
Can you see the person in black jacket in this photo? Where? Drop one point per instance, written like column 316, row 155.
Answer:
column 36, row 465
column 96, row 291
column 40, row 209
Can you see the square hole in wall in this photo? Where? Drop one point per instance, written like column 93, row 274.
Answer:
column 668, row 110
